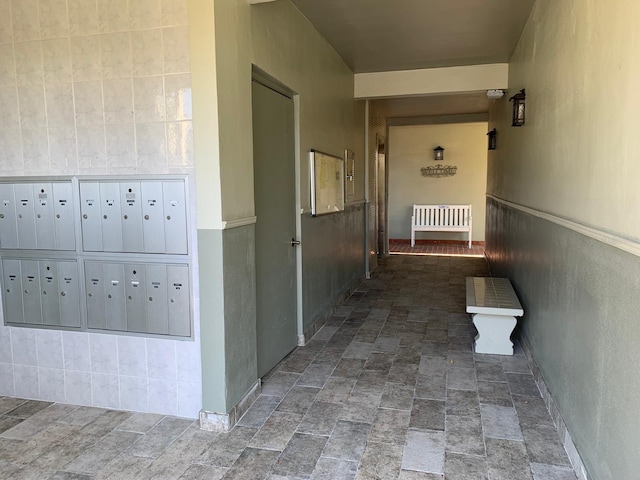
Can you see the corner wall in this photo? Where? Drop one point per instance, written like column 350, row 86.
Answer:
column 560, row 224
column 279, row 40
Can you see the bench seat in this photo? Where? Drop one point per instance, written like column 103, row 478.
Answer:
column 495, row 306
column 441, row 218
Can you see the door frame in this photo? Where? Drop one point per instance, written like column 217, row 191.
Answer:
column 260, row 76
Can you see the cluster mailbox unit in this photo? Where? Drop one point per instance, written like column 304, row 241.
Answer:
column 97, row 253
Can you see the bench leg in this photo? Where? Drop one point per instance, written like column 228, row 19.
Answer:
column 413, row 238
column 494, row 333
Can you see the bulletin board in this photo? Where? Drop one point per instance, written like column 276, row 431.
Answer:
column 327, row 183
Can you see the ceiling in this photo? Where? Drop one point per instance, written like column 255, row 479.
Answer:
column 386, row 35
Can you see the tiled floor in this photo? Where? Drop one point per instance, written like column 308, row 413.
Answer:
column 432, row 248
column 388, row 389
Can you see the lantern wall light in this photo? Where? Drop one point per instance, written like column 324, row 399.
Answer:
column 492, row 139
column 438, row 153
column 518, row 108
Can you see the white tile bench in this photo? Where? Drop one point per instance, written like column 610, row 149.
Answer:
column 440, row 218
column 494, row 306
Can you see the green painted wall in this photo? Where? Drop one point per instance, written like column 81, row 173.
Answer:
column 210, row 266
column 240, row 310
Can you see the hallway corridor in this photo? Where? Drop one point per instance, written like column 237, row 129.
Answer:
column 388, row 388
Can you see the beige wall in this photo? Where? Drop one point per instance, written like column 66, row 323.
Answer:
column 411, row 148
column 578, row 62
column 279, row 40
column 576, row 158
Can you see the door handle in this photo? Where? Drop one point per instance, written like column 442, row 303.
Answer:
column 294, row 242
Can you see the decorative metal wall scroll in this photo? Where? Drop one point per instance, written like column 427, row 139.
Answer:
column 439, row 171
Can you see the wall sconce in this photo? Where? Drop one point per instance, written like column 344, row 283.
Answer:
column 492, row 139
column 438, row 153
column 518, row 108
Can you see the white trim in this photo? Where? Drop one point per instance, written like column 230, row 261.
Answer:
column 429, row 81
column 611, row 239
column 239, row 222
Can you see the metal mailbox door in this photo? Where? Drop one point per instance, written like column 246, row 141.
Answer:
column 12, row 291
column 8, row 226
column 43, row 209
column 25, row 216
column 111, row 217
column 156, row 293
column 152, row 214
column 175, row 217
column 31, row 291
column 64, row 221
column 69, row 294
column 94, row 286
column 131, row 204
column 135, row 292
column 114, row 296
column 49, row 289
column 91, row 221
column 178, row 298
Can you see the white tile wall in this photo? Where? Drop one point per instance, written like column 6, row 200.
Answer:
column 67, row 65
column 97, row 87
column 113, row 371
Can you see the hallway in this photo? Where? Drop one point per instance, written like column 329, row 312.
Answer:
column 388, row 388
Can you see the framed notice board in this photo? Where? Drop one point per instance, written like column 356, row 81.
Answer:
column 327, row 183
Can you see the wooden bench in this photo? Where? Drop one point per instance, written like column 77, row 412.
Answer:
column 494, row 306
column 440, row 218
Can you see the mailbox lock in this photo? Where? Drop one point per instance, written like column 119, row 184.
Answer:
column 90, row 295
column 151, row 299
column 44, row 292
column 173, row 301
column 146, row 217
column 109, row 296
column 168, row 217
column 104, row 216
column 130, row 297
column 39, row 216
column 19, row 215
column 85, row 216
column 63, row 294
column 126, row 217
column 58, row 216
column 1, row 215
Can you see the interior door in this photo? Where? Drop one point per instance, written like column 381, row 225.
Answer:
column 274, row 182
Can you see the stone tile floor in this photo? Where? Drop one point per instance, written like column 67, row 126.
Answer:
column 389, row 388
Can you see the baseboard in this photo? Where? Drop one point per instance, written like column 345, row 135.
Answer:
column 310, row 331
column 223, row 422
column 552, row 407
